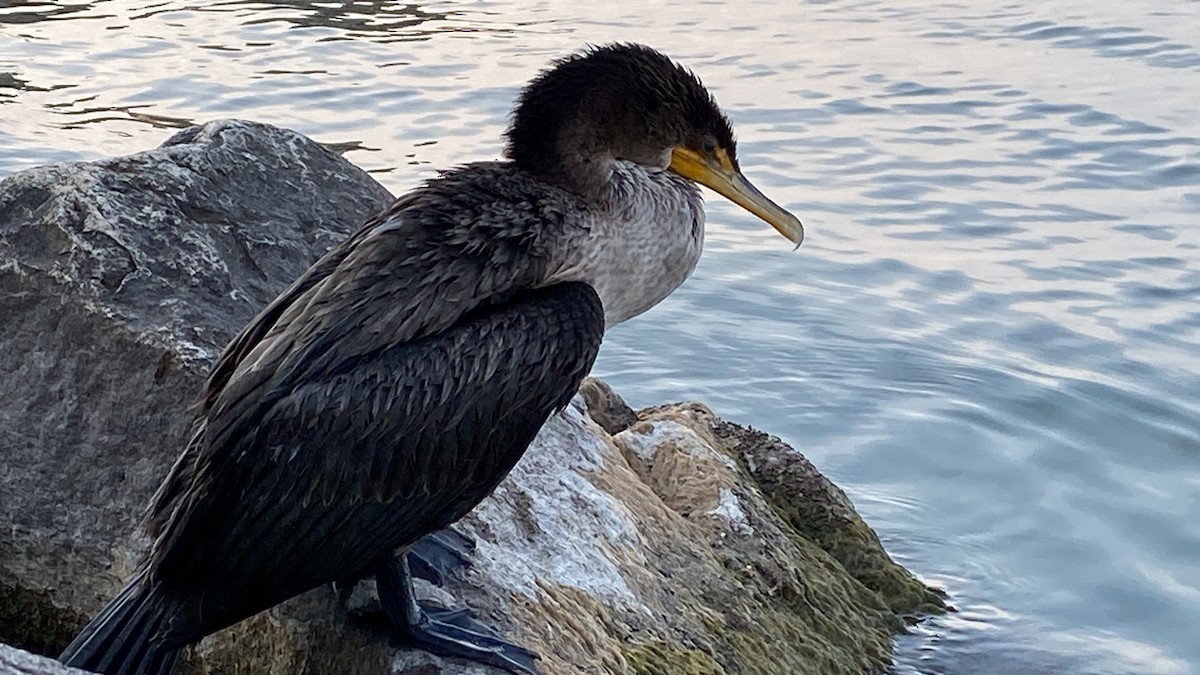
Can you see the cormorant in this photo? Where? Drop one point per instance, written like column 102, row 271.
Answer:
column 392, row 386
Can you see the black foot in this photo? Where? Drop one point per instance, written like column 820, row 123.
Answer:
column 438, row 555
column 450, row 633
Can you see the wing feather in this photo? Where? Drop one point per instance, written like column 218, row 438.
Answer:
column 352, row 464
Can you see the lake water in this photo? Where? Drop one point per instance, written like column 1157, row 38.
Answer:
column 991, row 337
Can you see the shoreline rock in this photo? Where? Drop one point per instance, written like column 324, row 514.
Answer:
column 664, row 541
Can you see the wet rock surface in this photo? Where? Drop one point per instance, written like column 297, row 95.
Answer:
column 666, row 541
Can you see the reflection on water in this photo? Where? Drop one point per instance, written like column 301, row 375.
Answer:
column 17, row 13
column 989, row 338
column 382, row 20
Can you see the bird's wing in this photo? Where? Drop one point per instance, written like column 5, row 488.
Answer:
column 415, row 269
column 354, row 462
column 258, row 327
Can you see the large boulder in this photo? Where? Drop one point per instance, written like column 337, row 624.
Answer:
column 665, row 541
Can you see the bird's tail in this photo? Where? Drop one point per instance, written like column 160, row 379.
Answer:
column 121, row 639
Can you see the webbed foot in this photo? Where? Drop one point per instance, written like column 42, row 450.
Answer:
column 438, row 555
column 450, row 633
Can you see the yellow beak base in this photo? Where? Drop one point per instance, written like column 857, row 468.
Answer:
column 718, row 173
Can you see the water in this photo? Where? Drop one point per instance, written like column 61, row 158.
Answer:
column 991, row 338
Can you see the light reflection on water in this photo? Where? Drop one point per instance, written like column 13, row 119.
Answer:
column 989, row 337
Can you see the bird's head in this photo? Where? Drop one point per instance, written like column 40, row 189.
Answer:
column 630, row 102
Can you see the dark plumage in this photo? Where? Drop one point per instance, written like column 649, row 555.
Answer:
column 395, row 384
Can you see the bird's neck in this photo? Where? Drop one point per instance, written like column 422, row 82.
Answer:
column 642, row 241
column 597, row 175
column 588, row 175
column 578, row 149
column 577, row 162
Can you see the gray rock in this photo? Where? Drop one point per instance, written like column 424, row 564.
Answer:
column 17, row 662
column 665, row 548
column 120, row 281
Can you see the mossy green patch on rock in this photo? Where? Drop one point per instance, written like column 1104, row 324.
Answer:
column 806, row 616
column 819, row 511
column 781, row 641
column 857, row 547
column 656, row 657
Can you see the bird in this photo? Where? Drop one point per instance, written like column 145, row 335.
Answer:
column 394, row 384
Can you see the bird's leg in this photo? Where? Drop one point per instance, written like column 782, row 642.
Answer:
column 438, row 555
column 434, row 558
column 450, row 633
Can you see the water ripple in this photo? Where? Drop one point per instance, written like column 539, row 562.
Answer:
column 1124, row 42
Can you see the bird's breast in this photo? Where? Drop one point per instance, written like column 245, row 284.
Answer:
column 639, row 251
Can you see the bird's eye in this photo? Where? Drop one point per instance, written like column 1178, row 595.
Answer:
column 710, row 146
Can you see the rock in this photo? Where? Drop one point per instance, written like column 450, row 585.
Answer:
column 605, row 406
column 819, row 511
column 678, row 543
column 18, row 662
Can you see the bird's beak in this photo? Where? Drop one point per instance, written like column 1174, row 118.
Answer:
column 718, row 172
